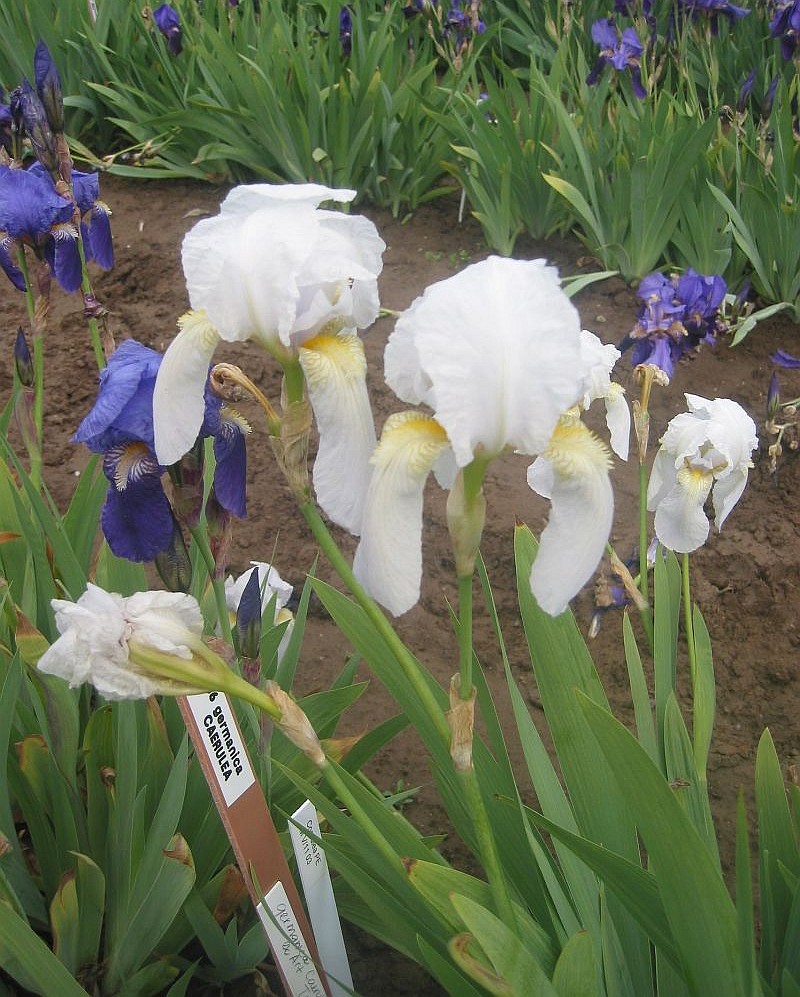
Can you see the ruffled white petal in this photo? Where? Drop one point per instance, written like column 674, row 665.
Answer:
column 495, row 352
column 388, row 560
column 178, row 399
column 573, row 472
column 165, row 621
column 335, row 368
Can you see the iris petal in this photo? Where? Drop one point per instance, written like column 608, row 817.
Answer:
column 573, row 474
column 230, row 473
column 388, row 560
column 178, row 400
column 335, row 369
column 137, row 519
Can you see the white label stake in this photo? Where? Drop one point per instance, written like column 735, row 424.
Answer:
column 289, row 947
column 318, row 889
column 222, row 743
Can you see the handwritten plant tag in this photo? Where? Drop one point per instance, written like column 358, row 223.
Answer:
column 320, row 901
column 289, row 948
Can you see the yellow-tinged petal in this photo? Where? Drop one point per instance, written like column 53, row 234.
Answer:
column 573, row 474
column 178, row 399
column 335, row 368
column 388, row 561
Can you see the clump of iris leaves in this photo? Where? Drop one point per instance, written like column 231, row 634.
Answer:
column 662, row 134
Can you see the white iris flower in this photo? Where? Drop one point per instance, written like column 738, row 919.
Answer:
column 274, row 268
column 496, row 353
column 704, row 451
column 103, row 635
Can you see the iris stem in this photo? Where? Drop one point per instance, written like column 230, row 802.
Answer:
column 644, row 581
column 687, row 616
column 487, row 847
column 35, row 452
column 403, row 656
column 294, row 381
column 217, row 585
column 465, row 635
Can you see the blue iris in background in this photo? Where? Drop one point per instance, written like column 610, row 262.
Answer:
column 137, row 519
column 168, row 22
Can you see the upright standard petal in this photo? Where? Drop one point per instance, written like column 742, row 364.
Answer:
column 179, row 397
column 388, row 560
column 335, row 368
column 573, row 474
column 495, row 352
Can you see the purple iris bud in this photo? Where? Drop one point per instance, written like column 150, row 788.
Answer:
column 31, row 212
column 23, row 362
column 620, row 52
column 346, row 30
column 48, row 86
column 783, row 359
column 769, row 97
column 37, row 128
column 6, row 121
column 745, row 90
column 248, row 617
column 785, row 24
column 773, row 397
column 168, row 22
column 173, row 564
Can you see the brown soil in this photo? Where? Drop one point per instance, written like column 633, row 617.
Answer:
column 745, row 579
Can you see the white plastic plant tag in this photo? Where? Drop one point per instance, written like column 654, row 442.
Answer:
column 320, row 901
column 289, row 947
column 222, row 743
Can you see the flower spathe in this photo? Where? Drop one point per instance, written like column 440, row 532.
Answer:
column 496, row 353
column 276, row 269
column 706, row 450
column 99, row 631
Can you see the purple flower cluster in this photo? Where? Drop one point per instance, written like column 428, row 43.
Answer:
column 37, row 209
column 623, row 52
column 137, row 519
column 677, row 314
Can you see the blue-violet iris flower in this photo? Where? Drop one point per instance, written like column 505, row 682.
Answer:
column 346, row 30
column 713, row 10
column 785, row 24
column 33, row 214
column 677, row 314
column 620, row 52
column 168, row 22
column 95, row 216
column 137, row 519
column 783, row 359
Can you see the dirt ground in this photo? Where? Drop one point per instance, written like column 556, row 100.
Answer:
column 746, row 579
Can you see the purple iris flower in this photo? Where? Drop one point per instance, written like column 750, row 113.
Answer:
column 95, row 216
column 168, row 22
column 621, row 52
column 137, row 519
column 712, row 10
column 33, row 214
column 677, row 314
column 346, row 30
column 458, row 22
column 785, row 24
column 783, row 359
